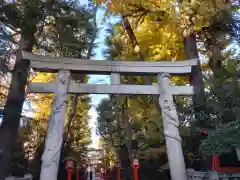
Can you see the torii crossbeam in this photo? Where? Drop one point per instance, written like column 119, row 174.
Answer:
column 64, row 85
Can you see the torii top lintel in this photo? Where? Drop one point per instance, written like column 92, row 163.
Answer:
column 53, row 64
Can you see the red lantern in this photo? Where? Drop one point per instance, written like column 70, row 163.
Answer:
column 69, row 167
column 69, row 164
column 102, row 171
column 118, row 165
column 78, row 167
column 110, row 172
column 104, row 175
column 135, row 165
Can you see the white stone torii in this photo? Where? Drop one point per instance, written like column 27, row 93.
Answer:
column 63, row 85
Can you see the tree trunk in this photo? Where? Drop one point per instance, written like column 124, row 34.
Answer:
column 128, row 130
column 70, row 119
column 215, row 61
column 126, row 150
column 81, row 79
column 12, row 113
column 147, row 80
column 191, row 52
column 216, row 58
column 196, row 79
column 123, row 156
column 132, row 37
column 122, row 150
column 16, row 96
column 120, row 118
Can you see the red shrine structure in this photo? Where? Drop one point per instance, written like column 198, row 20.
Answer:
column 227, row 162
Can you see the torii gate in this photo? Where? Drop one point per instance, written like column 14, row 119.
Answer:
column 63, row 85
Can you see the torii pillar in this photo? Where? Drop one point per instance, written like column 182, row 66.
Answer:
column 54, row 139
column 171, row 129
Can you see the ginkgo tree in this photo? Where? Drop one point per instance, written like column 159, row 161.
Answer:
column 164, row 30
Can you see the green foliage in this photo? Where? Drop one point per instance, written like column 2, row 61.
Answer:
column 79, row 132
column 110, row 127
column 223, row 139
column 223, row 103
column 144, row 125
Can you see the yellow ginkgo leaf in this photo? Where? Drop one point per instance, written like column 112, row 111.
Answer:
column 137, row 49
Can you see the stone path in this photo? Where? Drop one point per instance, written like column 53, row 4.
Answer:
column 98, row 178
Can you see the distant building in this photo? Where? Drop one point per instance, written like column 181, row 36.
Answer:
column 94, row 156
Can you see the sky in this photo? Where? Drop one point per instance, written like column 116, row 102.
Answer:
column 93, row 79
column 98, row 79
